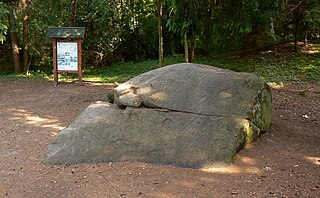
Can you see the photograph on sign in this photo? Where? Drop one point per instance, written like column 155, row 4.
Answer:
column 67, row 54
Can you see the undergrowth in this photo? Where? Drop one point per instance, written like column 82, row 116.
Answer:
column 279, row 67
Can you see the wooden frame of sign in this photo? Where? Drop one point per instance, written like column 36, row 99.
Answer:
column 67, row 51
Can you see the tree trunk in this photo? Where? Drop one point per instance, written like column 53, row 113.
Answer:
column 192, row 49
column 25, row 36
column 207, row 38
column 73, row 13
column 306, row 38
column 172, row 44
column 186, row 48
column 14, row 43
column 296, row 33
column 160, row 25
column 208, row 29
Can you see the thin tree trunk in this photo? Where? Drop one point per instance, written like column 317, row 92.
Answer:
column 160, row 25
column 186, row 48
column 172, row 45
column 73, row 13
column 208, row 30
column 25, row 36
column 253, row 69
column 192, row 49
column 14, row 44
column 306, row 38
column 296, row 33
column 207, row 38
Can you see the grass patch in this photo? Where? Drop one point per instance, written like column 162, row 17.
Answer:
column 281, row 67
column 122, row 72
column 299, row 68
column 33, row 74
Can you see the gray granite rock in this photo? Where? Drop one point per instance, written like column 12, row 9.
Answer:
column 185, row 114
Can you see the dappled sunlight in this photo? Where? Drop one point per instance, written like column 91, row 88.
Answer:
column 17, row 113
column 267, row 52
column 314, row 160
column 244, row 166
column 234, row 169
column 32, row 119
column 160, row 96
column 144, row 90
column 247, row 160
column 309, row 68
column 275, row 85
column 100, row 104
column 251, row 131
column 225, row 94
column 124, row 88
column 311, row 49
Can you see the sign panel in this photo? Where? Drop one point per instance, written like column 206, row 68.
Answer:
column 67, row 56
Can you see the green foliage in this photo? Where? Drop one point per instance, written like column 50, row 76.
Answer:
column 122, row 72
column 279, row 67
column 311, row 21
column 272, row 67
column 110, row 97
column 3, row 21
column 233, row 63
column 247, row 24
column 296, row 69
column 119, row 31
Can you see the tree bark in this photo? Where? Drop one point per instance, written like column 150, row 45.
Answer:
column 192, row 48
column 186, row 48
column 73, row 13
column 25, row 35
column 14, row 43
column 306, row 38
column 207, row 37
column 160, row 25
column 208, row 29
column 296, row 33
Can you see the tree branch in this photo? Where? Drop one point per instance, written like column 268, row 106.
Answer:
column 296, row 6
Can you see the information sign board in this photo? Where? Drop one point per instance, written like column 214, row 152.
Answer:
column 67, row 50
column 67, row 55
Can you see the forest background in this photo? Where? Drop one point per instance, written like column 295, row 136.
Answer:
column 121, row 31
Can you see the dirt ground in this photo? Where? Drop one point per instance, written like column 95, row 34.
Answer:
column 284, row 162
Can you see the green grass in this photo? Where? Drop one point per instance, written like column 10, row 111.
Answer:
column 292, row 68
column 122, row 72
column 278, row 67
column 32, row 74
column 296, row 69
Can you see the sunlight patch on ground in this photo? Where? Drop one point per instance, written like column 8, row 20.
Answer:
column 233, row 169
column 30, row 118
column 314, row 160
column 275, row 85
column 267, row 52
column 247, row 160
column 311, row 49
column 245, row 165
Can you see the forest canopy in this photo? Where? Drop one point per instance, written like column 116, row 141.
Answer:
column 134, row 30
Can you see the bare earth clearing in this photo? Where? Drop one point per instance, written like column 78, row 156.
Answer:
column 285, row 162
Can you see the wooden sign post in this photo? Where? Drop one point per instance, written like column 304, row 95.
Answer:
column 67, row 50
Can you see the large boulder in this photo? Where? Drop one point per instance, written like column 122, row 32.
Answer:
column 188, row 115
